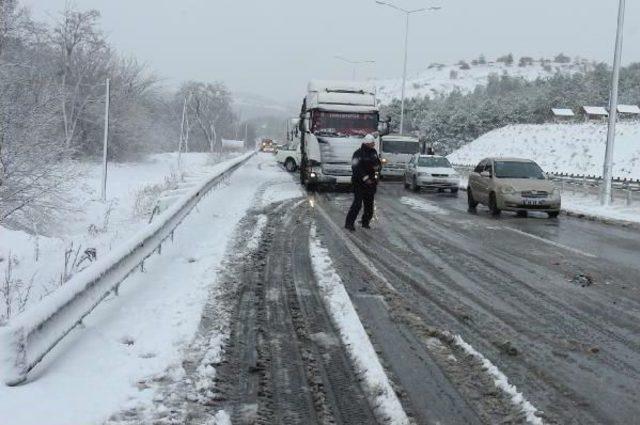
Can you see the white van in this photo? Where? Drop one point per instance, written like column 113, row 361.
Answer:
column 395, row 152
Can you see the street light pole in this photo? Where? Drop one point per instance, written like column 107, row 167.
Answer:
column 404, row 72
column 354, row 64
column 105, row 143
column 607, row 173
column 406, row 45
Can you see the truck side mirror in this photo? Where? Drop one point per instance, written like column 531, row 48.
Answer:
column 383, row 127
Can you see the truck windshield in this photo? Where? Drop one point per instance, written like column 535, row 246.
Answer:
column 435, row 161
column 400, row 146
column 342, row 124
column 518, row 170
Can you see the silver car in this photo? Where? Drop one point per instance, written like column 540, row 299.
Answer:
column 512, row 184
column 431, row 171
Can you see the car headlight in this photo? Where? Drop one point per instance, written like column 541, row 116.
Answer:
column 423, row 174
column 507, row 189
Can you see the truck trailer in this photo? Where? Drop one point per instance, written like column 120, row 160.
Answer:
column 335, row 117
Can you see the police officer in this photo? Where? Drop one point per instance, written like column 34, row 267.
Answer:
column 365, row 165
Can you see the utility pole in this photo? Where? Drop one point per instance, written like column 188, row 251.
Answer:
column 406, row 46
column 105, row 143
column 184, row 113
column 607, row 174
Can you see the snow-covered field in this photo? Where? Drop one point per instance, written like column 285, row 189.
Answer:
column 569, row 148
column 439, row 79
column 37, row 263
column 135, row 338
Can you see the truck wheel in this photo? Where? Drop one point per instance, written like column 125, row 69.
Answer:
column 311, row 187
column 454, row 190
column 553, row 214
column 290, row 165
column 414, row 185
column 406, row 185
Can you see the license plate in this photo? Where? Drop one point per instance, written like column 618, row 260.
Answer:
column 532, row 201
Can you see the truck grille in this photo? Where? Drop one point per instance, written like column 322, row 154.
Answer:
column 337, row 169
column 439, row 175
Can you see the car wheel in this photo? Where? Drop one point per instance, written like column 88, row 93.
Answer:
column 414, row 185
column 406, row 185
column 290, row 165
column 553, row 214
column 522, row 213
column 493, row 205
column 471, row 201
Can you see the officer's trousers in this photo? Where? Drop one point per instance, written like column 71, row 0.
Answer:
column 361, row 196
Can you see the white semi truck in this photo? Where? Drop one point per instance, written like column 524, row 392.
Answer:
column 335, row 117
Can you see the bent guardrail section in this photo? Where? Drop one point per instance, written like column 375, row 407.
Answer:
column 27, row 339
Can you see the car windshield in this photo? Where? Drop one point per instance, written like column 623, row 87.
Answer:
column 400, row 146
column 518, row 170
column 435, row 161
column 340, row 124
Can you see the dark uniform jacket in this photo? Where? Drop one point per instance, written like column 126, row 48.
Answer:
column 365, row 165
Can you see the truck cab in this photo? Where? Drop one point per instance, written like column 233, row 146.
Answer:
column 395, row 151
column 335, row 117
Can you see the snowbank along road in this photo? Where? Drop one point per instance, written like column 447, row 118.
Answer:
column 461, row 318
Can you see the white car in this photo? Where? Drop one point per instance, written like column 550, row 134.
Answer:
column 431, row 171
column 289, row 157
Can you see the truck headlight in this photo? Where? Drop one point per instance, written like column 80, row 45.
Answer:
column 383, row 160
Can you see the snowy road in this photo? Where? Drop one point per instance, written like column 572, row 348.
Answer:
column 473, row 319
column 511, row 288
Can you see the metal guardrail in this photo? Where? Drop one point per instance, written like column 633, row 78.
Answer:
column 622, row 188
column 27, row 339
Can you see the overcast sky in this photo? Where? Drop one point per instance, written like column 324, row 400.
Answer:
column 272, row 47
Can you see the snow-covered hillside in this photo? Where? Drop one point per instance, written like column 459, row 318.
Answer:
column 440, row 79
column 570, row 148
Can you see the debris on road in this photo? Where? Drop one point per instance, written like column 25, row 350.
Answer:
column 582, row 279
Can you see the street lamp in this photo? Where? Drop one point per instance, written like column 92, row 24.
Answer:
column 354, row 63
column 607, row 173
column 406, row 43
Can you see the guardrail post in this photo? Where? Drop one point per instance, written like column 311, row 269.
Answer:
column 629, row 193
column 584, row 186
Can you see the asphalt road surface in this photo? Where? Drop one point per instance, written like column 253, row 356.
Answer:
column 554, row 304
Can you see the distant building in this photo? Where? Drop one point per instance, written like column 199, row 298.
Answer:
column 629, row 111
column 562, row 114
column 595, row 113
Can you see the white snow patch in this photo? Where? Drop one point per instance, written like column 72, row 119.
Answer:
column 590, row 206
column 220, row 418
column 353, row 334
column 502, row 382
column 92, row 374
column 254, row 240
column 422, row 205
